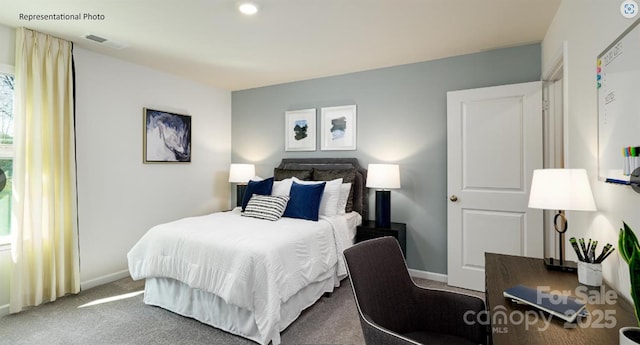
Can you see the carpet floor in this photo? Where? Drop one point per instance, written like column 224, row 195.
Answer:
column 114, row 314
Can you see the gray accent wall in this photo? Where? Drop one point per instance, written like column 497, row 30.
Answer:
column 401, row 118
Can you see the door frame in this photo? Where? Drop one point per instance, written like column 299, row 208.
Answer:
column 555, row 132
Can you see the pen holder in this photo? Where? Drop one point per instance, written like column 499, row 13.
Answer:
column 589, row 274
column 629, row 335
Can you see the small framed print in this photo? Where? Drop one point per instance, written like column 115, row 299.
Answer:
column 338, row 128
column 166, row 137
column 300, row 130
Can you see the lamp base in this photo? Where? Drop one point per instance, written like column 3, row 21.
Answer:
column 554, row 265
column 383, row 209
column 240, row 189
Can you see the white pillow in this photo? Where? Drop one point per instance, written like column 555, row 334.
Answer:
column 345, row 188
column 282, row 187
column 330, row 196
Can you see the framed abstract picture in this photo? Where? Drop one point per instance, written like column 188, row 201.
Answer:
column 338, row 128
column 166, row 137
column 300, row 130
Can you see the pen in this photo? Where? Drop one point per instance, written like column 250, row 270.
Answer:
column 609, row 253
column 604, row 252
column 592, row 251
column 574, row 244
column 584, row 249
column 587, row 252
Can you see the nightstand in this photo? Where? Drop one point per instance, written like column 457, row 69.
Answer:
column 369, row 230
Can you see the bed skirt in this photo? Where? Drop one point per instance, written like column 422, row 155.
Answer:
column 212, row 310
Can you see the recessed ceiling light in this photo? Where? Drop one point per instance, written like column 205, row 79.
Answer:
column 248, row 8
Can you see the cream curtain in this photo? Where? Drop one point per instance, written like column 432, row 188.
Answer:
column 44, row 224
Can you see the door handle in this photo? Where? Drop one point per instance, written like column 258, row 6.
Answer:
column 453, row 198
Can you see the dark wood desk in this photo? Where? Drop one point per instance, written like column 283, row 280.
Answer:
column 601, row 327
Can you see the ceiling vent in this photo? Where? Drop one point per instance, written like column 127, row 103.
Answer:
column 104, row 41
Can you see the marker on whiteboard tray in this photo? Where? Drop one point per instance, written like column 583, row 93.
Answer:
column 632, row 152
column 625, row 161
column 616, row 181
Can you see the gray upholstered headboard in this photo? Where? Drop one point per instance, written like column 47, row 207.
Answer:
column 360, row 191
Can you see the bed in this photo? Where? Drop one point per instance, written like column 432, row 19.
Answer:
column 247, row 276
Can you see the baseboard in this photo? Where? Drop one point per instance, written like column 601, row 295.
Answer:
column 4, row 310
column 439, row 277
column 103, row 280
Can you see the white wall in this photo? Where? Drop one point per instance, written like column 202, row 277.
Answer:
column 7, row 45
column 589, row 27
column 119, row 196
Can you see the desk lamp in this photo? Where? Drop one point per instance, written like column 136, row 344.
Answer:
column 241, row 174
column 562, row 190
column 383, row 177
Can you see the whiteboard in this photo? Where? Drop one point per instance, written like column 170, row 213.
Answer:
column 618, row 83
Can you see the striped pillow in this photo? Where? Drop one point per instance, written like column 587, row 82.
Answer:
column 269, row 207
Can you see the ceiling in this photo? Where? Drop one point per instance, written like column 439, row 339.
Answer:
column 287, row 40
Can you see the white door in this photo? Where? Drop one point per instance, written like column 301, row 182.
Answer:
column 494, row 142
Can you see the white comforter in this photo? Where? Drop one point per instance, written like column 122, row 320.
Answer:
column 251, row 263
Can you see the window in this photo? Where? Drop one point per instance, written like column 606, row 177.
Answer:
column 6, row 150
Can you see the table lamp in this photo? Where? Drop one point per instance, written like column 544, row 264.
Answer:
column 241, row 174
column 561, row 190
column 383, row 177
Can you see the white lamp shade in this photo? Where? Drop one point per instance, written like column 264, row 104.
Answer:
column 561, row 189
column 241, row 173
column 383, row 176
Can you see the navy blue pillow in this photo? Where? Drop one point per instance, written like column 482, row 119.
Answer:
column 304, row 201
column 256, row 187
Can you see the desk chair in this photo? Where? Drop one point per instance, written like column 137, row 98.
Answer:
column 393, row 310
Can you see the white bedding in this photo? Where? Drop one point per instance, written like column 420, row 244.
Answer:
column 250, row 263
